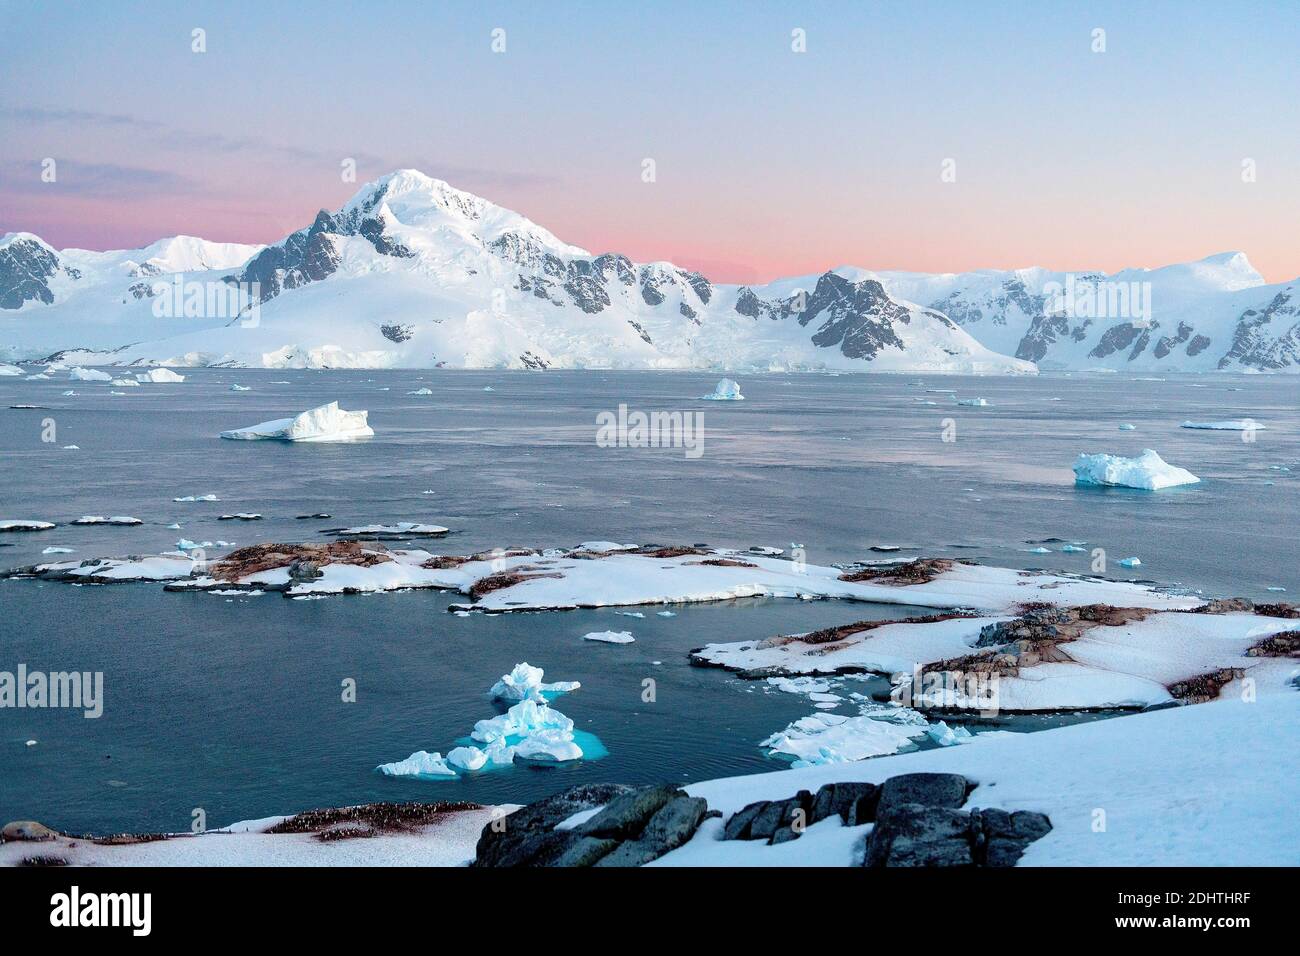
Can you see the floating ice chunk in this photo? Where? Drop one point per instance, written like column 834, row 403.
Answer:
column 726, row 390
column 665, row 613
column 1233, row 425
column 186, row 545
column 521, row 720
column 1148, row 471
column 799, row 685
column 123, row 520
column 1039, row 550
column 610, row 637
column 159, row 375
column 198, row 498
column 22, row 525
column 240, row 388
column 1072, row 548
column 946, row 736
column 766, row 551
column 631, row 614
column 1127, row 427
column 973, row 402
column 89, row 375
column 1130, row 562
column 524, row 682
column 467, row 758
column 549, row 746
column 53, row 550
column 419, row 764
column 126, row 383
column 488, row 388
column 823, row 738
column 9, row 370
column 241, row 516
column 1275, row 588
column 392, row 530
column 69, row 393
column 326, row 423
column 421, row 391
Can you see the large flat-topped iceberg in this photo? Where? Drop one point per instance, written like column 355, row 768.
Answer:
column 1148, row 471
column 326, row 423
column 1232, row 425
column 159, row 375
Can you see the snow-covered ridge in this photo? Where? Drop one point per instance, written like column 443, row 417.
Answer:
column 414, row 273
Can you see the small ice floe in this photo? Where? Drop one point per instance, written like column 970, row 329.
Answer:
column 524, row 682
column 1126, row 427
column 173, row 527
column 973, row 402
column 38, row 377
column 637, row 614
column 610, row 637
column 421, row 391
column 159, row 376
column 125, row 383
column 726, row 390
column 1148, row 471
column 31, row 743
column 767, row 552
column 946, row 736
column 240, row 388
column 1039, row 550
column 1232, row 425
column 72, row 448
column 241, row 516
column 198, row 498
column 16, row 525
column 317, row 515
column 402, row 529
column 1072, row 548
column 121, row 520
column 824, row 738
column 488, row 388
column 186, row 545
column 69, row 393
column 419, row 764
column 665, row 614
column 53, row 550
column 89, row 375
column 6, row 370
column 326, row 423
column 1130, row 562
column 1275, row 588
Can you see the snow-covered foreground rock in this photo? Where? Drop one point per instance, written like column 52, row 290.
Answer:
column 1212, row 785
column 1148, row 472
column 327, row 423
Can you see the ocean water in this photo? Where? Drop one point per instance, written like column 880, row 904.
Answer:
column 233, row 704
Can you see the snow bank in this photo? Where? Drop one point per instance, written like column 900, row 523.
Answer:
column 1148, row 471
column 726, row 390
column 324, row 424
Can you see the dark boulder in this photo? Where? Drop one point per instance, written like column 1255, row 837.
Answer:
column 915, row 835
column 670, row 827
column 627, row 815
column 854, row 803
column 927, row 789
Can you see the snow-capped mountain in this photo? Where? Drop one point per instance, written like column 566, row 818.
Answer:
column 412, row 272
column 1217, row 313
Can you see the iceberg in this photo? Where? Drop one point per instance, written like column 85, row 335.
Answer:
column 89, row 375
column 240, row 388
column 15, row 525
column 524, row 682
column 824, row 738
column 1233, row 425
column 726, row 390
column 159, row 375
column 467, row 758
column 1130, row 562
column 1148, row 471
column 973, row 402
column 523, row 719
column 124, row 520
column 9, row 369
column 551, row 746
column 326, row 423
column 419, row 764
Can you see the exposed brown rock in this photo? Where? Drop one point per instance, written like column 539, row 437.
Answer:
column 919, row 571
column 669, row 552
column 506, row 579
column 441, row 562
column 1225, row 606
column 1291, row 611
column 829, row 635
column 266, row 557
column 1286, row 644
column 724, row 563
column 1204, row 687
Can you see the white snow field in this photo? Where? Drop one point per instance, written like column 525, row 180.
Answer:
column 1205, row 785
column 1148, row 472
column 326, row 423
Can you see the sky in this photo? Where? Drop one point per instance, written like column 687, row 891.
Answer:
column 926, row 136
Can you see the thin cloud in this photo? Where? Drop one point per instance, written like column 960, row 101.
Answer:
column 93, row 180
